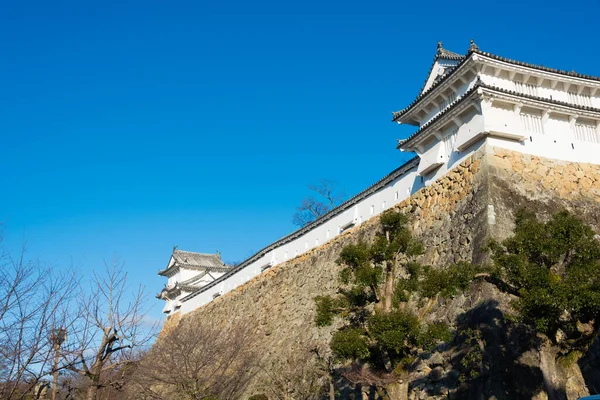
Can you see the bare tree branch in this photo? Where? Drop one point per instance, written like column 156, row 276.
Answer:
column 312, row 208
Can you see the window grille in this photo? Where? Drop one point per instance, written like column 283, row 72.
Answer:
column 580, row 99
column 452, row 97
column 450, row 142
column 526, row 88
column 586, row 133
column 532, row 123
column 443, row 104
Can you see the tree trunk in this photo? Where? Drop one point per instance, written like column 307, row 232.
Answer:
column 388, row 286
column 553, row 382
column 92, row 392
column 331, row 389
column 561, row 381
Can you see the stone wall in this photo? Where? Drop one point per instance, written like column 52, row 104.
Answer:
column 454, row 219
column 519, row 180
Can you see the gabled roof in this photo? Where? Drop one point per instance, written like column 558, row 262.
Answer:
column 474, row 49
column 441, row 55
column 191, row 260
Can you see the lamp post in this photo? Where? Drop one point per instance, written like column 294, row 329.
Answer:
column 57, row 337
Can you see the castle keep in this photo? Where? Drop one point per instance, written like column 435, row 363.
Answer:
column 538, row 126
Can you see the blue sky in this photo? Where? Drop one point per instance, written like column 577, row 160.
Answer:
column 129, row 127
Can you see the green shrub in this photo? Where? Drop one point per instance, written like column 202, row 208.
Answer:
column 350, row 343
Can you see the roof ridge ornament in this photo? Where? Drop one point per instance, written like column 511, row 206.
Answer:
column 473, row 47
column 440, row 48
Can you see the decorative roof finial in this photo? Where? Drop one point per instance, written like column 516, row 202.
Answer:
column 473, row 46
column 440, row 47
column 175, row 248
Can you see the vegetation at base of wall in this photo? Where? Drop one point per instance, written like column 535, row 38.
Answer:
column 376, row 330
column 550, row 268
column 431, row 282
column 553, row 269
column 471, row 361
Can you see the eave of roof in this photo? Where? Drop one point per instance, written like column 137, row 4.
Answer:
column 441, row 54
column 398, row 114
column 538, row 67
column 541, row 99
column 177, row 265
column 404, row 143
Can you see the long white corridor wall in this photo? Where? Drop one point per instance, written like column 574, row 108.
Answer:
column 389, row 191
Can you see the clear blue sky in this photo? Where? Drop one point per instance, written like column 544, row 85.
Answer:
column 129, row 127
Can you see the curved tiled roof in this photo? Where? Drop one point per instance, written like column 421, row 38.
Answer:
column 403, row 169
column 450, row 107
column 192, row 260
column 480, row 84
column 475, row 50
column 398, row 114
column 538, row 67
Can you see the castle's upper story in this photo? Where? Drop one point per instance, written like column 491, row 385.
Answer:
column 466, row 98
column 468, row 102
column 187, row 272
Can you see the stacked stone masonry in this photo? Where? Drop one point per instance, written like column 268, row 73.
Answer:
column 452, row 217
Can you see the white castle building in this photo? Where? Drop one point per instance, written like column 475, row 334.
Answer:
column 468, row 102
column 188, row 272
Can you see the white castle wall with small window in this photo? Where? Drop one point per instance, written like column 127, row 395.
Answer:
column 468, row 102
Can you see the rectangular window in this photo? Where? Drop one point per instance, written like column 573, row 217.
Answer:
column 383, row 206
column 526, row 88
column 586, row 133
column 532, row 123
column 396, row 196
column 372, row 209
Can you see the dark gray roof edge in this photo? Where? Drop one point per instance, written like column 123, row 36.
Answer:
column 398, row 172
column 422, row 95
column 468, row 94
column 538, row 98
column 398, row 114
column 433, row 120
column 445, row 55
column 176, row 265
column 538, row 67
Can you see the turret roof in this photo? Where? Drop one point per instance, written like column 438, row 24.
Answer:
column 192, row 260
column 474, row 49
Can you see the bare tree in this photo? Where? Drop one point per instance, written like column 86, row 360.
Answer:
column 33, row 300
column 196, row 361
column 313, row 207
column 108, row 331
column 307, row 375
